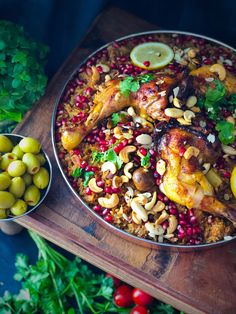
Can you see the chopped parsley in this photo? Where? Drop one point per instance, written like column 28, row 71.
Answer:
column 110, row 155
column 97, row 156
column 116, row 118
column 145, row 160
column 81, row 173
column 132, row 84
column 214, row 101
column 226, row 132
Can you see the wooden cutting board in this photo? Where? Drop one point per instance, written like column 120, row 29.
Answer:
column 196, row 282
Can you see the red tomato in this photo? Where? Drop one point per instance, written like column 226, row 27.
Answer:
column 138, row 309
column 141, row 298
column 123, row 296
column 116, row 281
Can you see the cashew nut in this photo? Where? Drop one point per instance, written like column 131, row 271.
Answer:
column 109, row 202
column 139, row 210
column 206, row 167
column 161, row 167
column 117, row 182
column 93, row 186
column 141, row 199
column 135, row 218
column 172, row 224
column 219, row 69
column 190, row 152
column 162, row 218
column 131, row 112
column 192, row 53
column 174, row 112
column 124, row 179
column 127, row 167
column 153, row 229
column 124, row 153
column 191, row 101
column 150, row 204
column 176, row 102
column 228, row 149
column 144, row 139
column 188, row 115
column 182, row 121
column 118, row 133
column 158, row 207
column 108, row 165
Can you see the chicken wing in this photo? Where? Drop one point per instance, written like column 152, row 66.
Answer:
column 184, row 182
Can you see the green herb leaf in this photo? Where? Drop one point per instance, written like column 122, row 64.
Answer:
column 77, row 173
column 87, row 176
column 145, row 78
column 216, row 94
column 97, row 156
column 226, row 132
column 128, row 85
column 110, row 155
column 145, row 160
column 115, row 118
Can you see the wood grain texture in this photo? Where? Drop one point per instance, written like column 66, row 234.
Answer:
column 196, row 282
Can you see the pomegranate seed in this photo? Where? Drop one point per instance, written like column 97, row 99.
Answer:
column 182, row 223
column 117, row 149
column 61, row 155
column 89, row 91
column 63, row 121
column 125, row 142
column 58, row 124
column 158, row 181
column 156, row 175
column 115, row 190
column 88, row 191
column 189, row 231
column 182, row 216
column 191, row 241
column 153, row 152
column 79, row 105
column 100, row 69
column 100, row 183
column 193, row 220
column 207, row 61
column 181, row 236
column 74, row 185
column 106, row 211
column 165, row 225
column 182, row 150
column 190, row 212
column 227, row 174
column 108, row 218
column 88, row 168
column 97, row 208
column 173, row 211
column 108, row 189
column 83, row 164
column 146, row 63
column 94, row 168
column 76, row 152
column 112, row 140
column 143, row 151
column 74, row 119
column 103, row 148
column 160, row 196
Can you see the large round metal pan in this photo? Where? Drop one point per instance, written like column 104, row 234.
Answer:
column 87, row 209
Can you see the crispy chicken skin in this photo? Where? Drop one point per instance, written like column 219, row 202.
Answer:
column 148, row 100
column 183, row 181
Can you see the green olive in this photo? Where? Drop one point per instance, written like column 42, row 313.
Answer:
column 32, row 195
column 6, row 160
column 5, row 181
column 32, row 163
column 41, row 178
column 3, row 213
column 17, row 187
column 41, row 159
column 29, row 145
column 27, row 178
column 5, row 144
column 18, row 208
column 16, row 168
column 6, row 199
column 17, row 151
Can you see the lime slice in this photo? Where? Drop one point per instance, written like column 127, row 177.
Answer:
column 233, row 182
column 151, row 55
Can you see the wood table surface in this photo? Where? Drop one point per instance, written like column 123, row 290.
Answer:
column 195, row 282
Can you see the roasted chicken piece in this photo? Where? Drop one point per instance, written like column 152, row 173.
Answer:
column 151, row 99
column 184, row 182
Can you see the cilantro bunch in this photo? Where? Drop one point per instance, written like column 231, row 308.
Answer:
column 215, row 100
column 109, row 155
column 22, row 77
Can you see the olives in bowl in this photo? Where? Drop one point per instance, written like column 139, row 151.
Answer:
column 25, row 175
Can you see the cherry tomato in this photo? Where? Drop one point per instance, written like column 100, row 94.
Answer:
column 116, row 281
column 123, row 296
column 138, row 309
column 141, row 298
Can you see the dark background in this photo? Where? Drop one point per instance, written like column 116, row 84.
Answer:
column 62, row 23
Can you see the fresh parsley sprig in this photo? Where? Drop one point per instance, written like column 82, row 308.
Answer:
column 81, row 173
column 132, row 84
